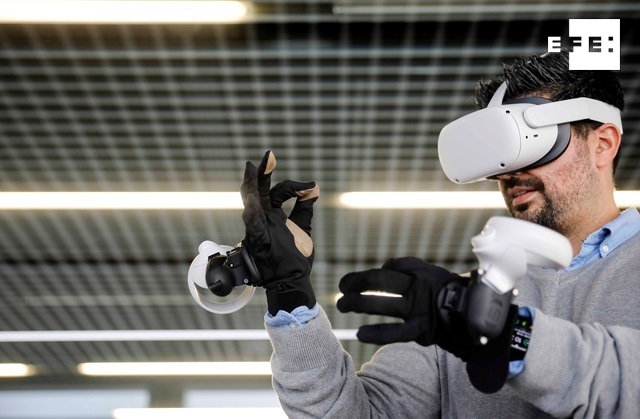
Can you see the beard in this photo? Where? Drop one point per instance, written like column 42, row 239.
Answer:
column 566, row 202
column 551, row 213
column 548, row 215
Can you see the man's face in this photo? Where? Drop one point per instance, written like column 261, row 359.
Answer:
column 555, row 194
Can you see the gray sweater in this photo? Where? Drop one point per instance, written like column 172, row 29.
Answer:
column 583, row 360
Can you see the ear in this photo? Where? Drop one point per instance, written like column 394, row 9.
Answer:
column 608, row 142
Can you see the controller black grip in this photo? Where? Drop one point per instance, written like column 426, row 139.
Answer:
column 487, row 310
column 219, row 277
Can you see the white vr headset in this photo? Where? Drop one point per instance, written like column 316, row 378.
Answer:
column 518, row 135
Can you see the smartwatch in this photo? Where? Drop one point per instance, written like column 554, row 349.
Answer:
column 520, row 337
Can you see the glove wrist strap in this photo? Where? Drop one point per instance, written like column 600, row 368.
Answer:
column 288, row 296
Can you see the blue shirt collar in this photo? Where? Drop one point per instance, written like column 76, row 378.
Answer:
column 601, row 243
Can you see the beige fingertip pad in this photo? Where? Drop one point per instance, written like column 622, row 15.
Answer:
column 271, row 163
column 309, row 193
column 301, row 239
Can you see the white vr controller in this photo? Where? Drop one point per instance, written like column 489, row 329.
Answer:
column 504, row 248
column 201, row 291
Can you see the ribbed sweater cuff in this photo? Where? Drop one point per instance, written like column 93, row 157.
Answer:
column 547, row 379
column 303, row 348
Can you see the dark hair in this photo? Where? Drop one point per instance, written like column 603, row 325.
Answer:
column 549, row 75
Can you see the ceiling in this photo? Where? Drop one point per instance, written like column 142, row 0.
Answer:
column 349, row 98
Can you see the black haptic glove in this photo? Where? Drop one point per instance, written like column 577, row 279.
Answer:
column 432, row 302
column 281, row 246
column 419, row 284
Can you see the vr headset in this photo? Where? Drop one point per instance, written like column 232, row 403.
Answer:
column 517, row 135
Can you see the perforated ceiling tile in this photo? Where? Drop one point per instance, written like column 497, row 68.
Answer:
column 352, row 100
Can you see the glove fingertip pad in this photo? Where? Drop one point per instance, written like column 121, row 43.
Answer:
column 303, row 242
column 268, row 163
column 308, row 194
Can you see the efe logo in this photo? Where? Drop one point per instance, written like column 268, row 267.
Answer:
column 595, row 44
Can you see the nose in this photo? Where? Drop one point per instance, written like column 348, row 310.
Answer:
column 507, row 176
column 504, row 176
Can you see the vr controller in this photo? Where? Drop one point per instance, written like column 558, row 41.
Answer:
column 217, row 271
column 504, row 248
column 224, row 272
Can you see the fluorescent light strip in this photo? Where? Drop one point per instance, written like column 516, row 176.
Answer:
column 412, row 200
column 16, row 370
column 200, row 413
column 448, row 200
column 147, row 335
column 232, row 200
column 627, row 199
column 109, row 12
column 119, row 200
column 173, row 368
column 474, row 9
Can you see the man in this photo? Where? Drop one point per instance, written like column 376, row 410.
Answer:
column 582, row 359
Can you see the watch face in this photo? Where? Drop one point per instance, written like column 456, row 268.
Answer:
column 520, row 338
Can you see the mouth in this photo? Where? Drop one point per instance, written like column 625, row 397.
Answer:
column 521, row 195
